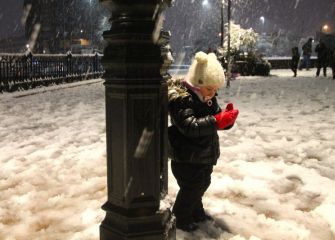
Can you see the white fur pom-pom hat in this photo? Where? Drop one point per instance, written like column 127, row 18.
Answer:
column 205, row 70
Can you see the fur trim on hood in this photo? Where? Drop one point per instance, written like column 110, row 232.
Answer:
column 176, row 89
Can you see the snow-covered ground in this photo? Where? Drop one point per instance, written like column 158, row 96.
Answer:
column 275, row 178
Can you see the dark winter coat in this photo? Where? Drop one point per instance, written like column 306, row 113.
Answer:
column 307, row 48
column 295, row 59
column 322, row 52
column 193, row 134
column 332, row 59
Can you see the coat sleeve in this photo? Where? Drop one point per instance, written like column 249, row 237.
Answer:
column 184, row 118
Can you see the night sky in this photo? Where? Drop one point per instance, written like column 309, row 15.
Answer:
column 10, row 18
column 301, row 16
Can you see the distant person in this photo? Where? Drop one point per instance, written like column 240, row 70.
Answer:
column 322, row 61
column 306, row 54
column 295, row 60
column 332, row 62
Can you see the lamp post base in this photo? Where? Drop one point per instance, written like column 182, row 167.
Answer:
column 160, row 226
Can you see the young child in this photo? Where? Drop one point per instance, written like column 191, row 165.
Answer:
column 295, row 60
column 193, row 139
column 332, row 62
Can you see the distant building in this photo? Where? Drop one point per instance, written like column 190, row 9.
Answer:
column 41, row 26
column 13, row 45
column 57, row 26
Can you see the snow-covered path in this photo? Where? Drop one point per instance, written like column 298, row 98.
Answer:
column 275, row 178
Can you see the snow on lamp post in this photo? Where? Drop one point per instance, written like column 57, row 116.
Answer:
column 136, row 123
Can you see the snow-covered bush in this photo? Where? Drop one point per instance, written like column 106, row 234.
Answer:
column 240, row 39
column 243, row 54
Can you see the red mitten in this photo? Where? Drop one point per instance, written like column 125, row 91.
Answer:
column 226, row 118
column 229, row 107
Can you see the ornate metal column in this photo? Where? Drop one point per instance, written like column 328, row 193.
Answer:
column 136, row 122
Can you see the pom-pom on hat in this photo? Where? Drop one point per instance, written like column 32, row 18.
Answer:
column 205, row 70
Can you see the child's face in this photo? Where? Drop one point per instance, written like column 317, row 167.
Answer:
column 208, row 92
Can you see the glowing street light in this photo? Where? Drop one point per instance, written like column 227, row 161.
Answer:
column 205, row 3
column 325, row 28
column 262, row 18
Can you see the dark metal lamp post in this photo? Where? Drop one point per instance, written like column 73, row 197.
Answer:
column 228, row 47
column 136, row 123
column 222, row 24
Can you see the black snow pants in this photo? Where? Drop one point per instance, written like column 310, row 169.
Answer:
column 321, row 63
column 193, row 180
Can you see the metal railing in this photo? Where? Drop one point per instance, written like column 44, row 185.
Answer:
column 276, row 63
column 26, row 71
column 285, row 62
